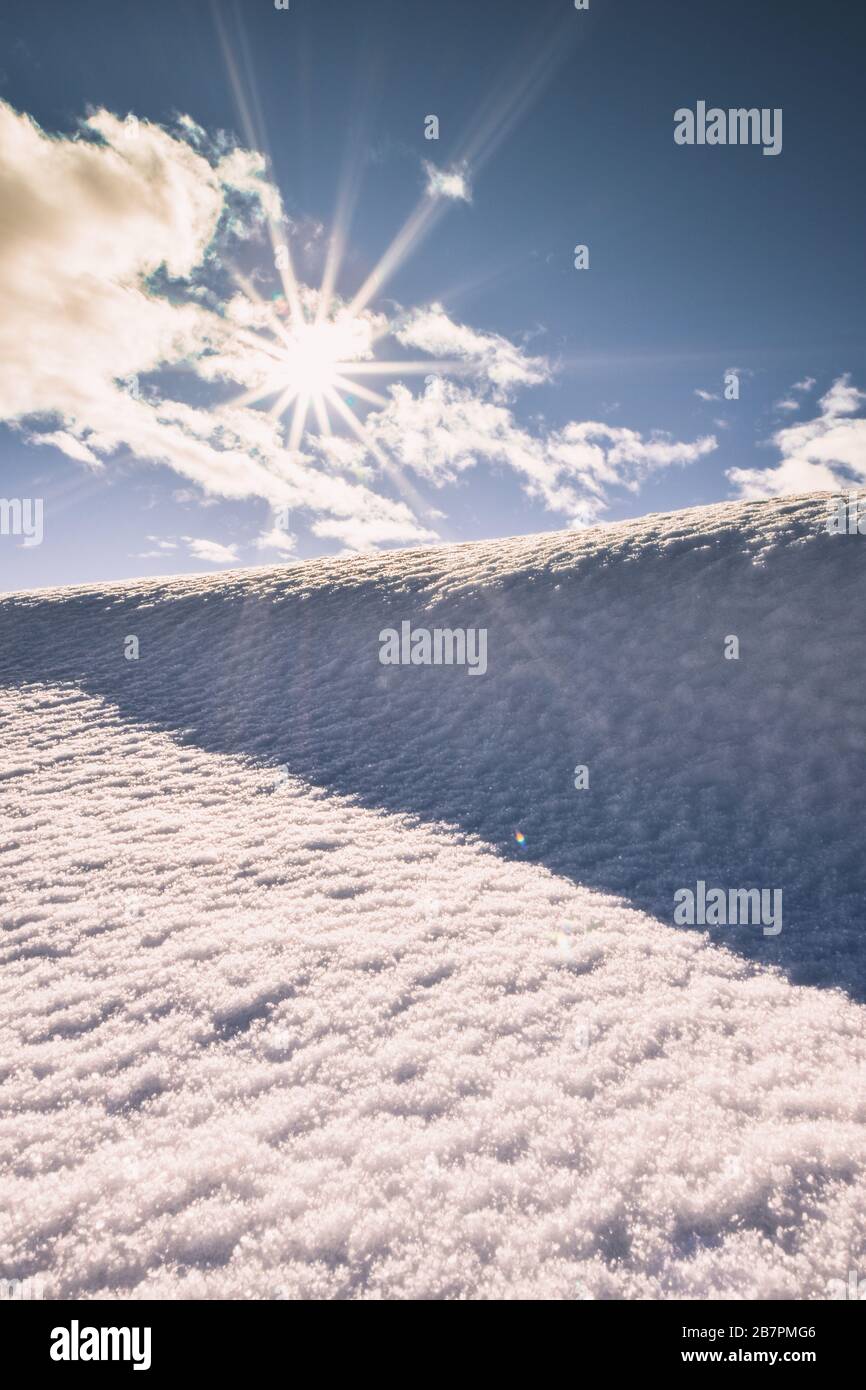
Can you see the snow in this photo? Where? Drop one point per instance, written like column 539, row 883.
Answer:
column 287, row 1013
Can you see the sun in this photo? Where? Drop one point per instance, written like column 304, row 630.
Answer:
column 304, row 351
column 317, row 355
column 307, row 346
column 312, row 348
column 316, row 350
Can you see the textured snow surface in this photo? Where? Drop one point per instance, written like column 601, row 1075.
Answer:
column 282, row 1012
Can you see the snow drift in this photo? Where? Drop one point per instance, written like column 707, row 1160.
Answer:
column 284, row 1016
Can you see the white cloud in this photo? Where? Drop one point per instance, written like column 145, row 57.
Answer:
column 69, row 445
column 448, row 183
column 789, row 403
column 493, row 357
column 212, row 551
column 343, row 453
column 448, row 429
column 190, row 495
column 706, row 395
column 277, row 539
column 824, row 453
column 842, row 398
column 86, row 223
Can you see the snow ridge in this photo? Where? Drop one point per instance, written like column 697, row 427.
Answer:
column 285, row 1012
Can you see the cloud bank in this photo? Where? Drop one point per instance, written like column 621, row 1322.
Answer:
column 111, row 244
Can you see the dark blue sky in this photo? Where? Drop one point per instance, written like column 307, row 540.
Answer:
column 702, row 259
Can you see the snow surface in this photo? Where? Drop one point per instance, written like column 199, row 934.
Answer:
column 286, row 1012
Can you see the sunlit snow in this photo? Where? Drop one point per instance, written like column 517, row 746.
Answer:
column 320, row 979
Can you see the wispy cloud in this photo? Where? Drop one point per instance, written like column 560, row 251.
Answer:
column 494, row 358
column 448, row 183
column 789, row 402
column 573, row 470
column 67, row 444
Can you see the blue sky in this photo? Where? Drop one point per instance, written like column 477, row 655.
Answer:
column 138, row 272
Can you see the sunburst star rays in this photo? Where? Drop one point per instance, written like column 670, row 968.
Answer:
column 305, row 359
